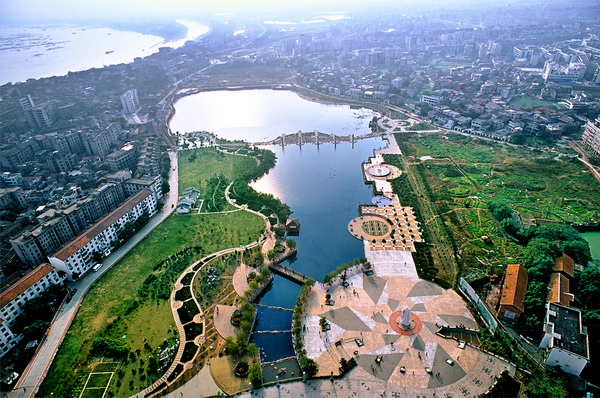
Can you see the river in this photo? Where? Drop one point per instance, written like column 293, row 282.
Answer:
column 43, row 51
column 323, row 185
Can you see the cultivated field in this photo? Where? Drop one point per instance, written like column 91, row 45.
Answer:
column 464, row 173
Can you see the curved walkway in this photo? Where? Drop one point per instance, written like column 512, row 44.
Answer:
column 177, row 368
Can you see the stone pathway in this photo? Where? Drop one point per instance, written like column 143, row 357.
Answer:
column 222, row 320
column 201, row 385
column 240, row 281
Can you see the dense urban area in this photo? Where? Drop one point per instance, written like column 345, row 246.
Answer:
column 511, row 92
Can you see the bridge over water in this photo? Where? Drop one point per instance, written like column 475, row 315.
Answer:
column 316, row 137
column 288, row 273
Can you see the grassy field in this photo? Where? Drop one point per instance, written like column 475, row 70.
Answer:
column 420, row 126
column 447, row 64
column 467, row 172
column 106, row 309
column 243, row 74
column 197, row 166
column 530, row 102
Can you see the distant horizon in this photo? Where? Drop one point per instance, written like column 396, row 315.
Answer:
column 70, row 11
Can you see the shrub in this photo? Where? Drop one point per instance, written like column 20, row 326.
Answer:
column 105, row 346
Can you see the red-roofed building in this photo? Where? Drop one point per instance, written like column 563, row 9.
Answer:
column 514, row 288
column 559, row 290
column 564, row 265
column 16, row 295
column 76, row 256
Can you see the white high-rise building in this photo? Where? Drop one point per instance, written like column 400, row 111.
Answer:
column 129, row 101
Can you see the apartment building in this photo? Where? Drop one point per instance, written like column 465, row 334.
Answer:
column 565, row 339
column 59, row 226
column 15, row 296
column 591, row 136
column 130, row 101
column 76, row 257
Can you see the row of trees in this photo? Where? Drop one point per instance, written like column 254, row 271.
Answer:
column 307, row 364
column 342, row 269
column 244, row 194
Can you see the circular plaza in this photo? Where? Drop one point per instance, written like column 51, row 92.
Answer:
column 370, row 226
column 382, row 171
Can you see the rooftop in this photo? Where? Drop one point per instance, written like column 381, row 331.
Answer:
column 24, row 283
column 101, row 225
column 565, row 264
column 559, row 290
column 515, row 286
column 567, row 329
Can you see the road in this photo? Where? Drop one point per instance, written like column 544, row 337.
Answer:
column 34, row 374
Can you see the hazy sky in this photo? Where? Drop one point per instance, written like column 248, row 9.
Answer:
column 63, row 10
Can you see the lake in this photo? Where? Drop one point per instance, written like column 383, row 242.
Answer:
column 323, row 184
column 261, row 115
column 593, row 238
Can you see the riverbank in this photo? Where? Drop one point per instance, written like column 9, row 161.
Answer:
column 43, row 51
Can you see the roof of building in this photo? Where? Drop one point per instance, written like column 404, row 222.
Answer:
column 292, row 223
column 567, row 324
column 560, row 290
column 514, row 287
column 565, row 264
column 141, row 181
column 24, row 283
column 76, row 244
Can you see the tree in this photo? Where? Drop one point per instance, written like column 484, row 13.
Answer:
column 547, row 384
column 500, row 210
column 252, row 350
column 259, row 258
column 105, row 346
column 265, row 272
column 255, row 375
column 578, row 250
column 589, row 288
column 290, row 243
column 231, row 347
column 310, row 367
column 279, row 231
column 517, row 138
column 165, row 187
column 36, row 330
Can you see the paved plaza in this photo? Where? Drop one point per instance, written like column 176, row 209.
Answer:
column 363, row 325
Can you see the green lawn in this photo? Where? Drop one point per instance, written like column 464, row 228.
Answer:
column 197, row 166
column 447, row 64
column 530, row 102
column 98, row 380
column 106, row 309
column 94, row 393
column 420, row 126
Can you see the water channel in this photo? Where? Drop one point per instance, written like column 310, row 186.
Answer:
column 323, row 185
